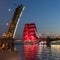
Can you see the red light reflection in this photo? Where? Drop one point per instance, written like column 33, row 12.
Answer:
column 30, row 51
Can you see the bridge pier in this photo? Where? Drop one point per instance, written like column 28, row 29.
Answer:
column 7, row 44
column 48, row 42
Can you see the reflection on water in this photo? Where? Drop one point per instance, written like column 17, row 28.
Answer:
column 40, row 52
column 30, row 52
column 55, row 51
column 44, row 53
column 48, row 53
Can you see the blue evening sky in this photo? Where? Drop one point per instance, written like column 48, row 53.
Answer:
column 44, row 13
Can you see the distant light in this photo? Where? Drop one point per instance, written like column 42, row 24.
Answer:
column 48, row 34
column 4, row 34
column 56, row 36
column 7, row 24
column 9, row 10
column 40, row 35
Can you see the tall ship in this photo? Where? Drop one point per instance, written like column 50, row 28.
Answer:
column 29, row 33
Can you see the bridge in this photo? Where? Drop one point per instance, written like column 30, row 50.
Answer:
column 48, row 40
column 29, row 32
column 30, row 35
column 7, row 43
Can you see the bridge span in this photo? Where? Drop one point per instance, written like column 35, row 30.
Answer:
column 30, row 35
column 48, row 40
column 7, row 42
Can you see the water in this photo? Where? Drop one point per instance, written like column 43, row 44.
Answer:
column 38, row 52
column 48, row 53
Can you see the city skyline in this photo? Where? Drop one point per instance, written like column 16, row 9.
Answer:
column 44, row 13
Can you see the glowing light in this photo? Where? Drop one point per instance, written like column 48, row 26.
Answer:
column 4, row 34
column 7, row 24
column 9, row 10
column 40, row 35
column 48, row 34
column 56, row 46
column 56, row 36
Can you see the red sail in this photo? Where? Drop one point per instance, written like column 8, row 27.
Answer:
column 29, row 33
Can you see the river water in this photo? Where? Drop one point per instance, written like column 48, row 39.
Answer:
column 38, row 52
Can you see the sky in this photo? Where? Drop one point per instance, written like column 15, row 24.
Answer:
column 44, row 13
